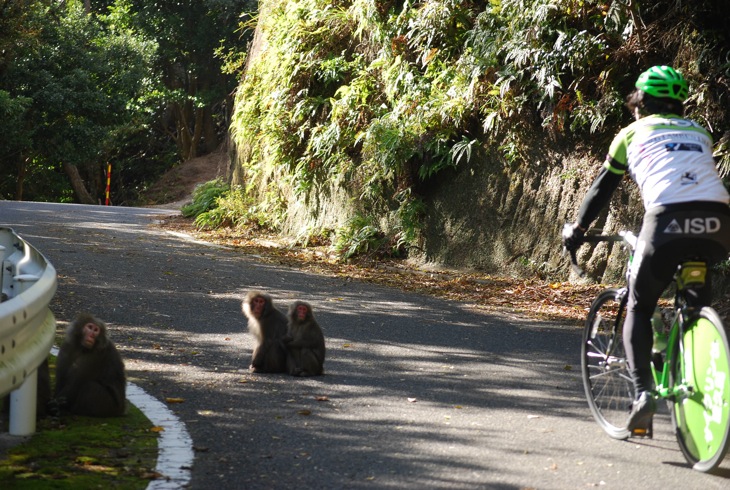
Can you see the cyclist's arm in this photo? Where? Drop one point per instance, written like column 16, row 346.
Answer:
column 598, row 195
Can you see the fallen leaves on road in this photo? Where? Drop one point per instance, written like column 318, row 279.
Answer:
column 532, row 297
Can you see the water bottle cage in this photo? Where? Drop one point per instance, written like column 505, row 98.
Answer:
column 691, row 275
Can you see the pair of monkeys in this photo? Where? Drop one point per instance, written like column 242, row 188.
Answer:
column 292, row 343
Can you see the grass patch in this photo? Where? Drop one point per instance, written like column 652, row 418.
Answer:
column 83, row 452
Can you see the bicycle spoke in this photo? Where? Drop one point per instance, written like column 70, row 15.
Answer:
column 605, row 374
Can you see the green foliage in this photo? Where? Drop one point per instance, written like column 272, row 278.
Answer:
column 359, row 236
column 382, row 97
column 130, row 82
column 199, row 51
column 409, row 215
column 362, row 235
column 75, row 83
column 205, row 198
column 216, row 204
column 236, row 208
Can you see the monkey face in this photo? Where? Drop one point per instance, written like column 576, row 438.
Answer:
column 257, row 306
column 88, row 335
column 302, row 311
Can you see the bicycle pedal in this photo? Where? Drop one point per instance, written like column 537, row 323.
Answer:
column 642, row 432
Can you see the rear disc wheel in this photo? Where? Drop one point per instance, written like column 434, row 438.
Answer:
column 701, row 419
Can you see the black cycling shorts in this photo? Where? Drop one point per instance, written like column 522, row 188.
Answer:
column 673, row 234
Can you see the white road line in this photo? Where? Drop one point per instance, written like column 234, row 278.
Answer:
column 175, row 447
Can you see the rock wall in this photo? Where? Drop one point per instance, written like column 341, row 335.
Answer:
column 486, row 214
column 495, row 217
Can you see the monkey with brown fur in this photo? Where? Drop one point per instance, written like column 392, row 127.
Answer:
column 304, row 342
column 268, row 326
column 90, row 377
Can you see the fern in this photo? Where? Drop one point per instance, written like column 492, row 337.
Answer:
column 205, row 198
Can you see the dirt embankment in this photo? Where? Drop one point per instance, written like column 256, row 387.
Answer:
column 176, row 186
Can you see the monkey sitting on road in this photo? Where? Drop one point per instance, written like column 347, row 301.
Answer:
column 90, row 377
column 304, row 342
column 268, row 326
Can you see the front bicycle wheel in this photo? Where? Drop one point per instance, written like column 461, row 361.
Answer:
column 701, row 417
column 606, row 377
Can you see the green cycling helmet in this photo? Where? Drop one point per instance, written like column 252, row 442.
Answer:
column 663, row 82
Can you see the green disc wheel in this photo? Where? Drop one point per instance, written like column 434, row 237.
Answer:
column 605, row 372
column 701, row 418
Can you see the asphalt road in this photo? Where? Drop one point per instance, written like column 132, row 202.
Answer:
column 418, row 392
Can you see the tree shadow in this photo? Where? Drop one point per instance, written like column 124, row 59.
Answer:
column 417, row 391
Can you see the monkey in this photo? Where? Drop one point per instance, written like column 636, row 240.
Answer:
column 268, row 326
column 304, row 342
column 90, row 375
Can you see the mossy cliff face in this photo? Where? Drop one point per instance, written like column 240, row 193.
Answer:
column 447, row 123
column 488, row 216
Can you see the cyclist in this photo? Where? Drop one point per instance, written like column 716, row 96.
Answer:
column 686, row 213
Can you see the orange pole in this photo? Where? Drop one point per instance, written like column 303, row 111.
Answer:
column 108, row 181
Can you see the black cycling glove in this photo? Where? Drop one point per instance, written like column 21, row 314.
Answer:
column 572, row 236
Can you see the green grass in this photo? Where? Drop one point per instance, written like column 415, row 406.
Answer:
column 84, row 452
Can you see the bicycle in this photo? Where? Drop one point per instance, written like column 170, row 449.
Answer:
column 691, row 371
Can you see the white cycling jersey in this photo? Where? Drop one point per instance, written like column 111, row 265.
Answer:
column 670, row 159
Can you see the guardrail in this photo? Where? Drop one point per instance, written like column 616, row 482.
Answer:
column 27, row 326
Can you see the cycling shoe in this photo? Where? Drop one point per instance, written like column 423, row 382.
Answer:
column 642, row 414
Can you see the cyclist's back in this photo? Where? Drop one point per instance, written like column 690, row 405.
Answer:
column 670, row 159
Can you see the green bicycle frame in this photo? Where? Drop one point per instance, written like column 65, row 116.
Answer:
column 665, row 388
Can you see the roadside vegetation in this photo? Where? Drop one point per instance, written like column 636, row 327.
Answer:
column 379, row 97
column 384, row 98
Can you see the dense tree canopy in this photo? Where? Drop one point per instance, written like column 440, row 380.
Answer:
column 133, row 83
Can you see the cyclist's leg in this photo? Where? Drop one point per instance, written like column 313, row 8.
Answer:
column 669, row 235
column 638, row 338
column 647, row 280
column 645, row 289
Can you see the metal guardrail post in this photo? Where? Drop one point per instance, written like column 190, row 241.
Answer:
column 27, row 326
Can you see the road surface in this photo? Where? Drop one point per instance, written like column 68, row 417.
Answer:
column 418, row 393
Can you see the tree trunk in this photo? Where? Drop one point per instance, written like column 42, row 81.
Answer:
column 77, row 184
column 21, row 179
column 183, row 119
column 197, row 132
column 209, row 134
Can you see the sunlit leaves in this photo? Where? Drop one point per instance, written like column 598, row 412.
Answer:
column 382, row 97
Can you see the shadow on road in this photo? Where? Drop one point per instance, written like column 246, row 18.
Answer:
column 418, row 391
